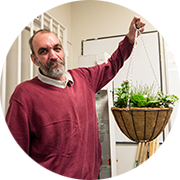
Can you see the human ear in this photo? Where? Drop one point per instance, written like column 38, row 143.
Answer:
column 34, row 60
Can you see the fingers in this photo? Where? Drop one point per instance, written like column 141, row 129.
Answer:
column 142, row 29
column 138, row 23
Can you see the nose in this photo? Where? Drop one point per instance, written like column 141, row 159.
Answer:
column 53, row 55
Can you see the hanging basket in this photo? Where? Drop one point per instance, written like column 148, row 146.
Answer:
column 142, row 124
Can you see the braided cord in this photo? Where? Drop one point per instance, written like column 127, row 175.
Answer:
column 131, row 63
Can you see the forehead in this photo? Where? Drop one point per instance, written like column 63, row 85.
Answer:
column 45, row 39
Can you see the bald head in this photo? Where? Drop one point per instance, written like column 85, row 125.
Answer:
column 41, row 31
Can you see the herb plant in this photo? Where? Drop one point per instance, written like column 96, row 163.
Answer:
column 142, row 96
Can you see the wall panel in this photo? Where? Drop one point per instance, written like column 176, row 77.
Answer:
column 19, row 66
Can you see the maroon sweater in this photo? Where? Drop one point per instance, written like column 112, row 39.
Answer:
column 58, row 127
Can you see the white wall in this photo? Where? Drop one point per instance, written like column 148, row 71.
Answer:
column 63, row 15
column 99, row 18
column 92, row 19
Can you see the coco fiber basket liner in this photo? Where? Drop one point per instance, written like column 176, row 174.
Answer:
column 142, row 124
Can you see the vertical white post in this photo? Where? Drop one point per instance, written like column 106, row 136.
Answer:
column 65, row 45
column 19, row 60
column 31, row 63
column 111, row 132
column 42, row 21
column 168, row 91
column 51, row 25
column 4, row 62
column 58, row 31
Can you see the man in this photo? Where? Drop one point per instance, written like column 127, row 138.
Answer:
column 53, row 116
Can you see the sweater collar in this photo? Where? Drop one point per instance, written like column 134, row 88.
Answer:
column 54, row 82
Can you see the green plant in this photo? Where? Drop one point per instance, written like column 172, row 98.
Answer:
column 142, row 96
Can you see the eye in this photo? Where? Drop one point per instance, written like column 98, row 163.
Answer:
column 57, row 48
column 42, row 51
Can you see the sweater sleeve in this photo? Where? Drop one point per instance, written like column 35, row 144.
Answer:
column 14, row 145
column 98, row 76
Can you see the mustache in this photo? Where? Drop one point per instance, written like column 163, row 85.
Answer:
column 52, row 62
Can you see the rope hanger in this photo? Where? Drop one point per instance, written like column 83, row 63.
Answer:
column 131, row 63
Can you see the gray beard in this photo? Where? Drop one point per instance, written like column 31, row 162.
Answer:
column 51, row 72
column 56, row 72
